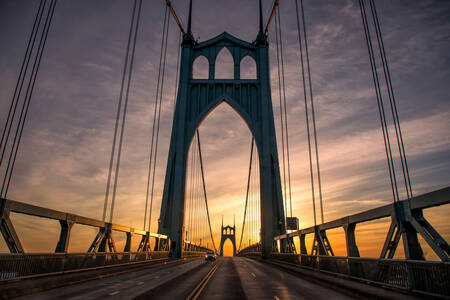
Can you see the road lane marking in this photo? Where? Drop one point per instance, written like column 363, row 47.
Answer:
column 199, row 288
column 114, row 293
column 253, row 274
column 140, row 283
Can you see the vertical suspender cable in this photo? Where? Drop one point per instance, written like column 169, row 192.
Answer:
column 246, row 195
column 311, row 170
column 130, row 72
column 191, row 213
column 387, row 144
column 312, row 110
column 285, row 111
column 119, row 108
column 281, row 114
column 127, row 92
column 166, row 15
column 21, row 78
column 204, row 188
column 159, row 118
column 27, row 100
column 387, row 77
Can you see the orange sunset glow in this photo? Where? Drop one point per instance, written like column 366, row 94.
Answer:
column 64, row 155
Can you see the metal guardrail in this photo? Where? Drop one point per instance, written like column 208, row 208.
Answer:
column 407, row 220
column 67, row 220
column 422, row 276
column 28, row 265
column 187, row 254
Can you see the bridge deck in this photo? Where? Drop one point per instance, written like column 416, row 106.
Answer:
column 227, row 278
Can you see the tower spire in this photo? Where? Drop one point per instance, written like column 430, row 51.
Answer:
column 261, row 37
column 190, row 18
column 260, row 18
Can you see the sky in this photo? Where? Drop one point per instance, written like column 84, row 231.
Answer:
column 64, row 154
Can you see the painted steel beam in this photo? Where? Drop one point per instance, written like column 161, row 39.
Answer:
column 435, row 198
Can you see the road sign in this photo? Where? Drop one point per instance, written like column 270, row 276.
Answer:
column 292, row 223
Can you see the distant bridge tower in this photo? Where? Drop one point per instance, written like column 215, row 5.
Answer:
column 252, row 100
column 228, row 232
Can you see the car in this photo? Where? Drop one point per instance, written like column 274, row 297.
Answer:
column 210, row 255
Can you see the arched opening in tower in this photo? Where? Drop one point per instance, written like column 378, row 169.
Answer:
column 225, row 143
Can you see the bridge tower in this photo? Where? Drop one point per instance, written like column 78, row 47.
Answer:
column 196, row 98
column 228, row 232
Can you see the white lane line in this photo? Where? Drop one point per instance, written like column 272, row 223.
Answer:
column 114, row 293
column 276, row 298
column 253, row 274
column 140, row 283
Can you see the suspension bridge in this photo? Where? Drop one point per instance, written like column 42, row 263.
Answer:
column 271, row 258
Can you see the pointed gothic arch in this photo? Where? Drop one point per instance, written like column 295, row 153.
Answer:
column 212, row 106
column 224, row 63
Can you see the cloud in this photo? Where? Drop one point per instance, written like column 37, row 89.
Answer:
column 64, row 157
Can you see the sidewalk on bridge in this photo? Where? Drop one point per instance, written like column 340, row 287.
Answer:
column 347, row 285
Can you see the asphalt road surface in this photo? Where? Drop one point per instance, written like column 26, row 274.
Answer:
column 226, row 278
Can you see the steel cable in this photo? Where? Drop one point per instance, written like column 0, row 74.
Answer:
column 21, row 79
column 286, row 131
column 154, row 115
column 393, row 105
column 247, row 193
column 130, row 72
column 281, row 113
column 380, row 104
column 319, row 182
column 204, row 187
column 308, row 130
column 27, row 100
column 119, row 108
column 158, row 122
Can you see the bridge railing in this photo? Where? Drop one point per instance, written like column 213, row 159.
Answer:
column 67, row 220
column 252, row 250
column 422, row 276
column 407, row 219
column 19, row 265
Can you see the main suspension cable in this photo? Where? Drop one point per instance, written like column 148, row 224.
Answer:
column 177, row 72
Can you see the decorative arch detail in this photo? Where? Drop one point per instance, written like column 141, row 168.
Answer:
column 224, row 64
column 200, row 67
column 248, row 68
column 210, row 108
